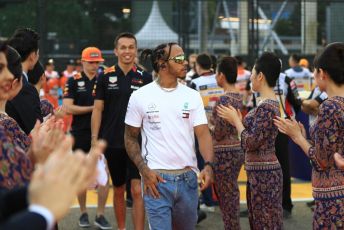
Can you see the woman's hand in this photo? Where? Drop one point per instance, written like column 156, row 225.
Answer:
column 339, row 160
column 230, row 114
column 45, row 138
column 303, row 130
column 290, row 127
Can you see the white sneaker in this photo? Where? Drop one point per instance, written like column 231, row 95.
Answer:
column 207, row 208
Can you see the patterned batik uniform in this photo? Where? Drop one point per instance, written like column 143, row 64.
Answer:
column 327, row 134
column 14, row 132
column 264, row 174
column 46, row 108
column 229, row 157
column 15, row 165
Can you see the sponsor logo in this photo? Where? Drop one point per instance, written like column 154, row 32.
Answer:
column 113, row 79
column 151, row 107
column 137, row 81
column 140, row 72
column 81, row 83
column 134, row 87
column 186, row 114
column 94, row 55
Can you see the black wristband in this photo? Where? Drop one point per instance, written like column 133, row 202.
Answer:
column 211, row 164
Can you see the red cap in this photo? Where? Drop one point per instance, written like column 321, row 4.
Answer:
column 91, row 54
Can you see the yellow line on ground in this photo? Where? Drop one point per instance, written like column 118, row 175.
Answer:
column 300, row 192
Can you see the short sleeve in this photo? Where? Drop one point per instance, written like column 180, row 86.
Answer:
column 100, row 90
column 199, row 116
column 69, row 91
column 321, row 97
column 134, row 115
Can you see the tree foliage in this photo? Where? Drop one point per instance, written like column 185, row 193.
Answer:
column 67, row 18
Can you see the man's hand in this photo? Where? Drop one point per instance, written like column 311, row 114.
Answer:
column 150, row 181
column 206, row 177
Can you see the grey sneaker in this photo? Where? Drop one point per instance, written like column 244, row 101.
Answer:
column 83, row 221
column 102, row 223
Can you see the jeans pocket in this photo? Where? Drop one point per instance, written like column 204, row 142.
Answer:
column 191, row 180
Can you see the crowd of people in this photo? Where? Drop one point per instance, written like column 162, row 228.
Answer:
column 185, row 127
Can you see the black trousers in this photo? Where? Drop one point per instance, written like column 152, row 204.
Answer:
column 282, row 153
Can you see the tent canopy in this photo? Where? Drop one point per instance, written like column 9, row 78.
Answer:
column 155, row 31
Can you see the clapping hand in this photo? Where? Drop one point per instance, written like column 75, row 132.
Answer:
column 45, row 138
column 339, row 160
column 229, row 113
column 64, row 175
column 290, row 127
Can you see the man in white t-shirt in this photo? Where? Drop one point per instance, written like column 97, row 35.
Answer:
column 302, row 76
column 169, row 115
column 50, row 70
column 243, row 75
column 295, row 70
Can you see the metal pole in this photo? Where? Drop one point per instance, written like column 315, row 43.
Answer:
column 273, row 24
column 199, row 25
column 204, row 29
column 212, row 35
column 41, row 26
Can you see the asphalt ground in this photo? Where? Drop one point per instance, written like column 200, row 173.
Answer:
column 301, row 218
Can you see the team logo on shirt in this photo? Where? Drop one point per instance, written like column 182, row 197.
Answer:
column 112, row 83
column 151, row 107
column 81, row 86
column 113, row 79
column 186, row 111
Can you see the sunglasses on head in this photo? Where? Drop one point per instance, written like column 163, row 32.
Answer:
column 179, row 59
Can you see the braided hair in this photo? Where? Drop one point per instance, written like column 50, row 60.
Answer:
column 158, row 54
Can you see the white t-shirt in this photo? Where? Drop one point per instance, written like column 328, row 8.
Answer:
column 205, row 82
column 298, row 72
column 210, row 92
column 167, row 120
column 242, row 79
column 301, row 76
column 68, row 74
column 52, row 74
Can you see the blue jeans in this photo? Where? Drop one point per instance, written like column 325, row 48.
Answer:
column 177, row 206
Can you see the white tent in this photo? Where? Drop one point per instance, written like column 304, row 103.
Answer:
column 155, row 31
